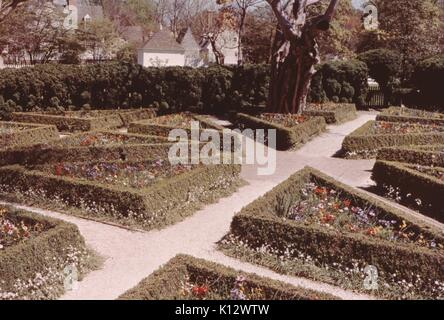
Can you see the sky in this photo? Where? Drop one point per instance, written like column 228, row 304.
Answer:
column 357, row 3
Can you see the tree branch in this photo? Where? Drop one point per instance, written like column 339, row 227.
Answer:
column 331, row 10
column 283, row 21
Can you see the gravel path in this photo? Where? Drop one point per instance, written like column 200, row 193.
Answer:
column 131, row 256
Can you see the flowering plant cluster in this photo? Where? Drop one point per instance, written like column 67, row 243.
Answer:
column 383, row 127
column 189, row 289
column 133, row 175
column 348, row 274
column 329, row 208
column 323, row 106
column 239, row 291
column 178, row 120
column 100, row 139
column 12, row 232
column 414, row 113
column 286, row 120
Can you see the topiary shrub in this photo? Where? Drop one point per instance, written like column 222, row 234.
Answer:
column 340, row 81
column 428, row 78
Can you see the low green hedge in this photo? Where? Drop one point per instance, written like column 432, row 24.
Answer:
column 69, row 150
column 434, row 156
column 151, row 127
column 332, row 113
column 34, row 269
column 25, row 134
column 428, row 189
column 286, row 138
column 167, row 284
column 261, row 224
column 165, row 202
column 362, row 139
column 398, row 114
column 72, row 122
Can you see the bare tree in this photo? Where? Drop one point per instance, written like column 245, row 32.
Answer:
column 296, row 52
column 240, row 8
column 8, row 6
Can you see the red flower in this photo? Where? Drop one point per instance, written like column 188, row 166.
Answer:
column 372, row 232
column 347, row 203
column 328, row 218
column 199, row 291
column 58, row 170
column 320, row 191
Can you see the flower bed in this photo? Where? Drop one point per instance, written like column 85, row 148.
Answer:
column 34, row 252
column 13, row 134
column 162, row 126
column 292, row 131
column 416, row 186
column 73, row 121
column 423, row 155
column 147, row 194
column 398, row 114
column 188, row 278
column 333, row 113
column 91, row 146
column 374, row 135
column 313, row 222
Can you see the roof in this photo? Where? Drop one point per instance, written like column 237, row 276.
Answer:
column 189, row 43
column 163, row 41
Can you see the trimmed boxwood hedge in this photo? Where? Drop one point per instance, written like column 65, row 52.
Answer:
column 60, row 150
column 332, row 113
column 151, row 127
column 26, row 134
column 71, row 123
column 165, row 283
column 398, row 114
column 286, row 138
column 217, row 89
column 260, row 224
column 429, row 189
column 362, row 139
column 431, row 156
column 27, row 260
column 165, row 202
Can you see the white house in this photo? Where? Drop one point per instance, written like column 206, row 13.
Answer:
column 162, row 50
column 192, row 50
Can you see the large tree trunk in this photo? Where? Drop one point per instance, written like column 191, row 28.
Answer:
column 296, row 54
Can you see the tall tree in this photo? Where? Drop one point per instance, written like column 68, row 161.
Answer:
column 241, row 9
column 36, row 29
column 260, row 30
column 100, row 39
column 412, row 28
column 296, row 52
column 8, row 6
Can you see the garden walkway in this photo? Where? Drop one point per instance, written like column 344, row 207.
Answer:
column 131, row 256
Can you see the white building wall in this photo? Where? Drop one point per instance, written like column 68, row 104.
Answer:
column 157, row 59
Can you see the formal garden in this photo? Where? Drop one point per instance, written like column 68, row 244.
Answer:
column 92, row 205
